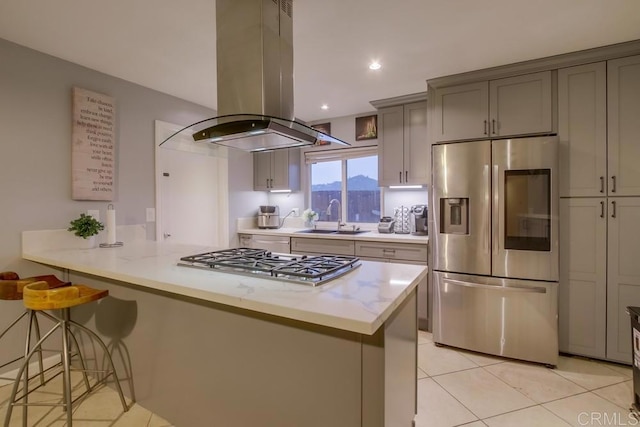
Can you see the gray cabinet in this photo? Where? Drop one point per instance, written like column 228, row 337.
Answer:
column 310, row 245
column 403, row 150
column 598, row 110
column 582, row 130
column 583, row 277
column 623, row 273
column 623, row 104
column 519, row 105
column 276, row 170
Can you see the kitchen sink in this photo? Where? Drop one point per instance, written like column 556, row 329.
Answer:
column 324, row 231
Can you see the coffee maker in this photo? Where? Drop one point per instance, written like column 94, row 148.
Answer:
column 269, row 217
column 419, row 220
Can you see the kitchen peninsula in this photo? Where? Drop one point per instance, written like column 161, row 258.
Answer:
column 211, row 348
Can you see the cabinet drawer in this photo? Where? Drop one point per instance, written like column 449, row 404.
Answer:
column 392, row 251
column 322, row 246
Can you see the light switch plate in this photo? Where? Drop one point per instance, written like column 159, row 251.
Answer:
column 151, row 214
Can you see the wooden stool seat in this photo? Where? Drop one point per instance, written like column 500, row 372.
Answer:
column 12, row 287
column 38, row 296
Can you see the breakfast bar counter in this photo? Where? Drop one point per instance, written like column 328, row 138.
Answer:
column 215, row 348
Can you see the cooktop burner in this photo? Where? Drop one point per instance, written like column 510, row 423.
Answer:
column 312, row 270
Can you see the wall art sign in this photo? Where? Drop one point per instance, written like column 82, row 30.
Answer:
column 367, row 127
column 92, row 146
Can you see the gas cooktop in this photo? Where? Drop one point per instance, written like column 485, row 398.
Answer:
column 308, row 270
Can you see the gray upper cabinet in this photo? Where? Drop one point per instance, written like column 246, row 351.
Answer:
column 598, row 128
column 623, row 92
column 520, row 105
column 276, row 170
column 582, row 130
column 403, row 149
column 461, row 112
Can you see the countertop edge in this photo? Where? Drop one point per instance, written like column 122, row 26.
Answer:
column 368, row 327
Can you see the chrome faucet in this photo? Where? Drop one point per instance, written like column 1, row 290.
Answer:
column 340, row 224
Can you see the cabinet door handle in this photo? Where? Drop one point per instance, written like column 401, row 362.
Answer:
column 406, row 177
column 613, row 182
column 267, row 182
column 601, row 209
column 602, row 184
column 400, row 176
column 613, row 212
column 271, row 183
column 485, row 127
column 493, row 126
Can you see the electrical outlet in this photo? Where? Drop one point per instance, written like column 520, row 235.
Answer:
column 94, row 213
column 296, row 211
column 151, row 214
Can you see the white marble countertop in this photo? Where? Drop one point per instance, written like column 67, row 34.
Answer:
column 371, row 236
column 359, row 301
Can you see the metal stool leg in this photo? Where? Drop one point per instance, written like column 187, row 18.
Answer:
column 66, row 363
column 12, row 399
column 33, row 320
column 80, row 356
column 106, row 352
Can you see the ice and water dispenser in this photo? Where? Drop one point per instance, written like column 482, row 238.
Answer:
column 454, row 214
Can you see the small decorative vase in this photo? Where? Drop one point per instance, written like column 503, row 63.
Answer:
column 309, row 223
column 89, row 242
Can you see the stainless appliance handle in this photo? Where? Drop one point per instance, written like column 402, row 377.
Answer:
column 523, row 289
column 601, row 209
column 613, row 212
column 613, row 181
column 602, row 184
column 485, row 127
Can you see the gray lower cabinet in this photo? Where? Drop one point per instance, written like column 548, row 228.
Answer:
column 403, row 253
column 582, row 292
column 600, row 275
column 302, row 245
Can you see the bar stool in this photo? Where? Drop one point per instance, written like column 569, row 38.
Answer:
column 37, row 296
column 11, row 287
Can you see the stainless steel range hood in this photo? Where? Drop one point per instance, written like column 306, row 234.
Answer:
column 254, row 41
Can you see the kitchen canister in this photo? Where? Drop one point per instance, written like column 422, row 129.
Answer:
column 403, row 221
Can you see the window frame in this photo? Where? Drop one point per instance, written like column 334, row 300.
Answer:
column 343, row 154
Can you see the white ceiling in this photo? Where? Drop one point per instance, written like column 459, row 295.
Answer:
column 169, row 45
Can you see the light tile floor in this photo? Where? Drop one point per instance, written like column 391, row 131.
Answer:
column 462, row 388
column 455, row 388
column 100, row 408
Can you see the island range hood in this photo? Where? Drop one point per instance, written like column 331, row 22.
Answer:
column 254, row 42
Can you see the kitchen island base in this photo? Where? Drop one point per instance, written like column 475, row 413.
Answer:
column 199, row 363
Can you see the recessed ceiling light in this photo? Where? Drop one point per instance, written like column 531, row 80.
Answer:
column 324, row 107
column 375, row 65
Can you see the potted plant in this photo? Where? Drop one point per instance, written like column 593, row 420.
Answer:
column 86, row 227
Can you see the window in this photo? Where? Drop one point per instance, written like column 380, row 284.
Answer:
column 349, row 176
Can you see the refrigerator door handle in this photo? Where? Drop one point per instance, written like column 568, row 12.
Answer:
column 524, row 289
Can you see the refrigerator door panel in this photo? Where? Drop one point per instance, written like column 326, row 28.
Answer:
column 504, row 317
column 462, row 207
column 525, row 208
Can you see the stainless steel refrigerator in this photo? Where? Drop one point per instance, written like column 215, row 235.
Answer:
column 495, row 247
